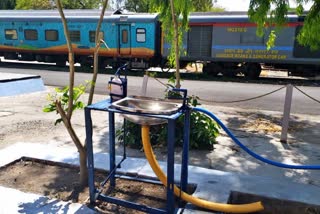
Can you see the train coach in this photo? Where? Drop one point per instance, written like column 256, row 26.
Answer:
column 38, row 36
column 227, row 43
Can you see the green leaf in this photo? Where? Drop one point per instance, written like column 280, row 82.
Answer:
column 152, row 74
column 271, row 40
column 49, row 108
column 58, row 90
column 172, row 80
column 80, row 105
column 299, row 10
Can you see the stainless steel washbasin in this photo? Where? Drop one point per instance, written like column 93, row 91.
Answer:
column 146, row 105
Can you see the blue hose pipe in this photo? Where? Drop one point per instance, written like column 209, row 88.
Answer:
column 250, row 152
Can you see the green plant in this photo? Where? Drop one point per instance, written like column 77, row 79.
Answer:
column 203, row 131
column 132, row 134
column 62, row 96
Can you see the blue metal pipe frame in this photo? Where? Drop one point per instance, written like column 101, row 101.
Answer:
column 90, row 161
column 112, row 149
column 170, row 165
column 185, row 152
column 97, row 195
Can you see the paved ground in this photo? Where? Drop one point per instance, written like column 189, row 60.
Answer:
column 15, row 84
column 22, row 120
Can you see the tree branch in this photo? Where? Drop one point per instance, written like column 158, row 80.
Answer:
column 69, row 127
column 96, row 54
column 176, row 43
column 70, row 58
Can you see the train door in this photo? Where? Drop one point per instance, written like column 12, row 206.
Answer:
column 124, row 40
column 200, row 42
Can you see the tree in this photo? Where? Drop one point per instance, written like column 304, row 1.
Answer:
column 202, row 5
column 145, row 6
column 34, row 4
column 49, row 4
column 116, row 4
column 174, row 16
column 7, row 4
column 217, row 9
column 138, row 6
column 274, row 12
column 67, row 102
column 81, row 4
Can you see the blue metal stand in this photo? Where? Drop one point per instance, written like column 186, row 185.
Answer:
column 95, row 194
column 185, row 152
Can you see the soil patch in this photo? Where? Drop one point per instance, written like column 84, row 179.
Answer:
column 60, row 181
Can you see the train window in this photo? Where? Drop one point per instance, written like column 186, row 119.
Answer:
column 52, row 35
column 11, row 34
column 31, row 34
column 124, row 36
column 141, row 35
column 75, row 36
column 92, row 36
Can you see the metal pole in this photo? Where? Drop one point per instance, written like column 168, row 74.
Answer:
column 170, row 166
column 286, row 114
column 112, row 150
column 125, row 138
column 185, row 152
column 88, row 124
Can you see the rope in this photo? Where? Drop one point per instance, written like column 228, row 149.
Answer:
column 312, row 98
column 243, row 100
column 165, row 85
column 234, row 101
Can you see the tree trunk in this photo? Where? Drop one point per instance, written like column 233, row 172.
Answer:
column 83, row 167
column 176, row 43
column 66, row 117
column 71, row 84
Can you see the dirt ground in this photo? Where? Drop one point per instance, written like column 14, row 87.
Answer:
column 61, row 182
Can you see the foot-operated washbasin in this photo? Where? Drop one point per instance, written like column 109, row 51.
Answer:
column 146, row 105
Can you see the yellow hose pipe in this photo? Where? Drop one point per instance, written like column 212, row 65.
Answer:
column 220, row 207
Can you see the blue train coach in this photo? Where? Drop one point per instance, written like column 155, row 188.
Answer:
column 38, row 36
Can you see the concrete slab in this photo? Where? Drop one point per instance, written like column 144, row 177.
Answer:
column 15, row 84
column 16, row 201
